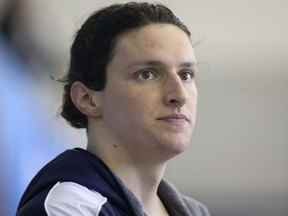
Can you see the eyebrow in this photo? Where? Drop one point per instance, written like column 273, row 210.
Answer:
column 159, row 63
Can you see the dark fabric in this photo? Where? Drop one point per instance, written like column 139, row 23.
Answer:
column 84, row 168
column 179, row 205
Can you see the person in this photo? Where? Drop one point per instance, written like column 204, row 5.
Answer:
column 131, row 85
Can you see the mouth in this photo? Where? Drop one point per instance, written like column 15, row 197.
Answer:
column 175, row 119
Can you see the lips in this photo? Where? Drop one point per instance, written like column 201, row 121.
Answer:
column 175, row 118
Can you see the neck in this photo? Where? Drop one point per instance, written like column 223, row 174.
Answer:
column 140, row 178
column 140, row 173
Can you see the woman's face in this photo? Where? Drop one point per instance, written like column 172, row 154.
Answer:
column 149, row 102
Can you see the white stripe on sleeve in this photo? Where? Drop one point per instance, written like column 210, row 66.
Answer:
column 69, row 198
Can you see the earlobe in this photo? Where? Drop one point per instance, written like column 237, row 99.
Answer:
column 85, row 100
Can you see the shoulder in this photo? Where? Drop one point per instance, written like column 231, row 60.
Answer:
column 69, row 198
column 72, row 176
column 182, row 204
column 191, row 203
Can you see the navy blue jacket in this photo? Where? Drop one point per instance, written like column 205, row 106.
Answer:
column 86, row 169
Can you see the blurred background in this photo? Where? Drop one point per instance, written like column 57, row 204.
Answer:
column 237, row 164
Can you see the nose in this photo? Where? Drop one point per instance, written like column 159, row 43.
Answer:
column 175, row 92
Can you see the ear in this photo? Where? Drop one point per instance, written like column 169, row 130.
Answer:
column 86, row 100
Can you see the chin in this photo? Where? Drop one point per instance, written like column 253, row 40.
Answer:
column 172, row 149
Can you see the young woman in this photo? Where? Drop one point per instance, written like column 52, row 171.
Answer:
column 131, row 85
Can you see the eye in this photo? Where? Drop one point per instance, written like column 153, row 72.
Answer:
column 187, row 75
column 146, row 74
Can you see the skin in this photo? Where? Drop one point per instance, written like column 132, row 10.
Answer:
column 150, row 77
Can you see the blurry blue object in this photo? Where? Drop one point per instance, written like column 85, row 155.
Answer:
column 26, row 140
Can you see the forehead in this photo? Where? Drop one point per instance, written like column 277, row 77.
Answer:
column 161, row 42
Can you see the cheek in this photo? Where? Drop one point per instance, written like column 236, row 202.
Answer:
column 125, row 114
column 193, row 96
column 191, row 107
column 123, row 106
